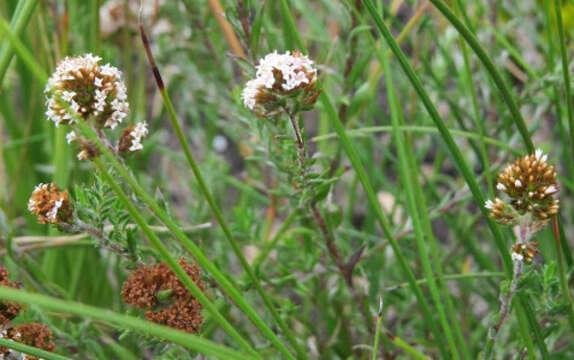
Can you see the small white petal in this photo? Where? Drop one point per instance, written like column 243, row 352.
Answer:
column 489, row 204
column 517, row 257
column 518, row 183
column 501, row 187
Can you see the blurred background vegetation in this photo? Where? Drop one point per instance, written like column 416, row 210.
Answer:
column 205, row 71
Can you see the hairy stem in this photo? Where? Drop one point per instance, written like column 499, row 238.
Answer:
column 506, row 301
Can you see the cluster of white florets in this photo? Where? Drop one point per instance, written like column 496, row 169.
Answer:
column 138, row 133
column 90, row 90
column 277, row 75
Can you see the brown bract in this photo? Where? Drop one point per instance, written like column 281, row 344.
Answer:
column 179, row 309
column 50, row 204
column 8, row 310
column 31, row 334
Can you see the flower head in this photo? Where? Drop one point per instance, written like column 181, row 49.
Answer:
column 50, row 204
column 131, row 138
column 8, row 310
column 524, row 251
column 179, row 309
column 31, row 334
column 531, row 185
column 89, row 89
column 281, row 80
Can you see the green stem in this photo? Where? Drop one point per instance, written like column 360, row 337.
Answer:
column 30, row 350
column 173, row 264
column 189, row 341
column 378, row 330
column 445, row 133
column 260, row 259
column 21, row 17
column 373, row 201
column 481, row 275
column 413, row 207
column 364, row 131
column 563, row 274
column 453, row 148
column 479, row 124
column 219, row 216
column 491, row 68
column 565, row 72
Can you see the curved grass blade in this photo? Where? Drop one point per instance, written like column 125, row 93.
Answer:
column 372, row 198
column 219, row 215
column 192, row 342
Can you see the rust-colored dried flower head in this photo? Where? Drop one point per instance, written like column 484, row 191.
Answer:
column 31, row 334
column 183, row 314
column 525, row 251
column 179, row 309
column 282, row 80
column 50, row 204
column 131, row 138
column 89, row 89
column 8, row 310
column 530, row 184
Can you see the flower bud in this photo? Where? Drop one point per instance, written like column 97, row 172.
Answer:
column 131, row 138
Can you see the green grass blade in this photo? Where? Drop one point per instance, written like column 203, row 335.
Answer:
column 565, row 72
column 22, row 15
column 30, row 350
column 173, row 264
column 372, row 198
column 189, row 341
column 219, row 215
column 444, row 132
column 490, row 67
column 414, row 207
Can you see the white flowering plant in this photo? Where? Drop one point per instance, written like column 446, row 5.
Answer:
column 286, row 180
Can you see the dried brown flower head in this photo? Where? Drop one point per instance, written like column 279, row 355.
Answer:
column 179, row 309
column 90, row 90
column 525, row 251
column 183, row 315
column 31, row 334
column 8, row 310
column 282, row 80
column 530, row 184
column 50, row 204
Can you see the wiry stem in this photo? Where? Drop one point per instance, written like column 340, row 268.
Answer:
column 506, row 301
column 346, row 270
column 79, row 226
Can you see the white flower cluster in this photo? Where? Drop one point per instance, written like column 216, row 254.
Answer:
column 89, row 89
column 291, row 69
column 137, row 134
